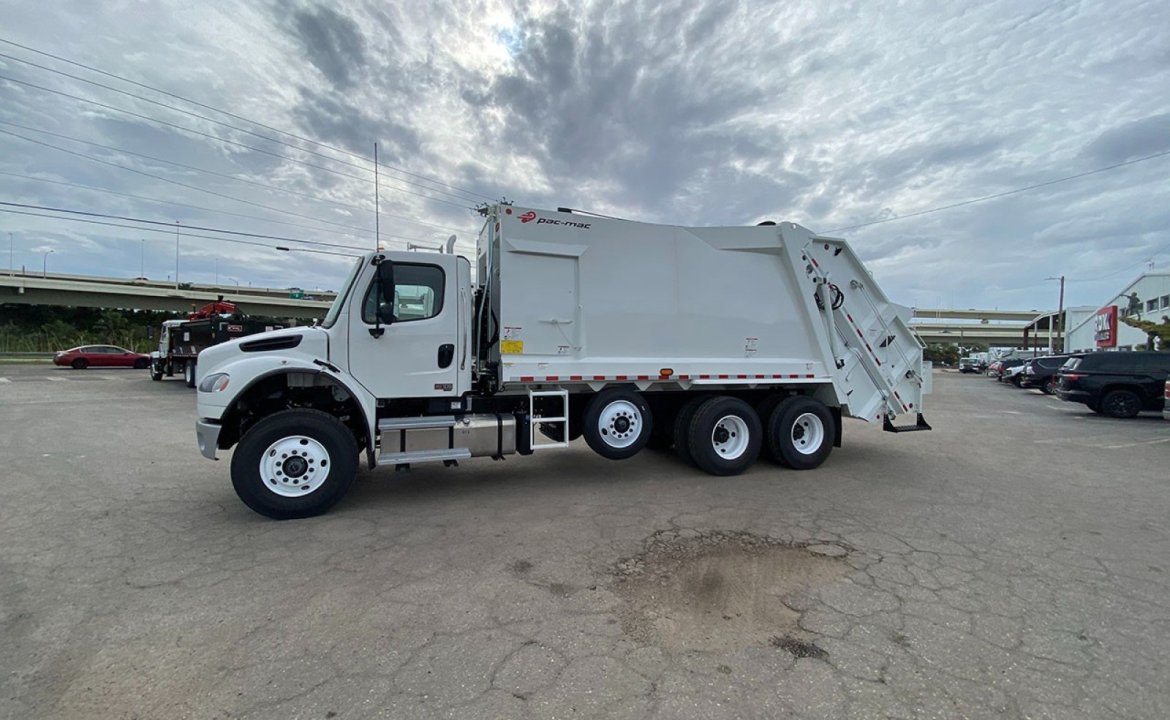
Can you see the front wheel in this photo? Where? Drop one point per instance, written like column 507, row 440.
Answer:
column 724, row 436
column 189, row 373
column 801, row 433
column 294, row 464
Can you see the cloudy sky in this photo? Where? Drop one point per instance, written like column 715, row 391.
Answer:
column 832, row 115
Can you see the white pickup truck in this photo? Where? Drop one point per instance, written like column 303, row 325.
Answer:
column 724, row 342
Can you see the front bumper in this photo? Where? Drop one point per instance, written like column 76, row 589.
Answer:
column 207, row 434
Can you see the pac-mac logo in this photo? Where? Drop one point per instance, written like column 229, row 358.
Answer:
column 528, row 217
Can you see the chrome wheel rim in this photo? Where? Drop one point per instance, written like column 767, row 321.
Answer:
column 294, row 466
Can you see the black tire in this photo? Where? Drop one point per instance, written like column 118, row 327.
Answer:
column 1049, row 386
column 1121, row 404
column 617, row 423
column 682, row 426
column 792, row 425
column 1017, row 381
column 715, row 432
column 141, row 364
column 189, row 373
column 339, row 457
column 80, row 364
column 155, row 372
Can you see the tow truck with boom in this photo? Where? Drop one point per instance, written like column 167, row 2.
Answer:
column 723, row 341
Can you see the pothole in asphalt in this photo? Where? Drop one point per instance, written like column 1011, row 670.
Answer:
column 720, row 592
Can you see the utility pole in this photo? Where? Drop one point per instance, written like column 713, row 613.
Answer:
column 1058, row 321
column 1060, row 316
column 176, row 254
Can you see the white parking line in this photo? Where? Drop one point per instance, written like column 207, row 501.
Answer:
column 5, row 381
column 1136, row 444
column 55, row 379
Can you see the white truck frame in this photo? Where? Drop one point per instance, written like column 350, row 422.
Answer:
column 723, row 342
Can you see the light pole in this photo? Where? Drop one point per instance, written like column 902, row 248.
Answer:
column 142, row 259
column 1059, row 318
column 45, row 263
column 176, row 254
column 11, row 255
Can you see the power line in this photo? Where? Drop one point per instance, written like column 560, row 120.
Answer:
column 172, row 232
column 110, row 216
column 174, row 203
column 185, row 185
column 1005, row 193
column 215, row 173
column 226, row 141
column 221, row 123
column 237, row 117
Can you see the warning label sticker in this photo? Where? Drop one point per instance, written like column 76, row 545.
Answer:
column 512, row 347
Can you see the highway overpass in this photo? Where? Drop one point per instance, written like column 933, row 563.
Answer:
column 993, row 328
column 104, row 292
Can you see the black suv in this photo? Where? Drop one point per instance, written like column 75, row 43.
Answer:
column 1041, row 373
column 1117, row 384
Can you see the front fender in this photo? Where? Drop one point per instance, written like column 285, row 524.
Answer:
column 246, row 372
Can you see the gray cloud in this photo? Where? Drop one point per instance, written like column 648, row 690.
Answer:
column 333, row 43
column 1130, row 140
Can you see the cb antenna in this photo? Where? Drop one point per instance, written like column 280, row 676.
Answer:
column 377, row 220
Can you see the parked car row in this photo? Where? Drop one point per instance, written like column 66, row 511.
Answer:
column 1115, row 384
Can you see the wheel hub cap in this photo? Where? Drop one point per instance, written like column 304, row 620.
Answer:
column 730, row 437
column 294, row 466
column 620, row 423
column 808, row 434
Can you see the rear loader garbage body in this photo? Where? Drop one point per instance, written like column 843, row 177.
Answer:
column 724, row 343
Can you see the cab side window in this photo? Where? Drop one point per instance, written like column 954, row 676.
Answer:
column 418, row 293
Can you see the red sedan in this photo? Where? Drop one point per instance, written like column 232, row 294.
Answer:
column 80, row 358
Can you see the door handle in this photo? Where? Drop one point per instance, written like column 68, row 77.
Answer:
column 446, row 354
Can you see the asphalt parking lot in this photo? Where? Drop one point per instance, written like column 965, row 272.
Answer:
column 1014, row 563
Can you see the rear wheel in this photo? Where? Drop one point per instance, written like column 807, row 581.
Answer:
column 1049, row 386
column 724, row 437
column 682, row 427
column 80, row 364
column 1121, row 404
column 801, row 433
column 617, row 423
column 294, row 464
column 141, row 364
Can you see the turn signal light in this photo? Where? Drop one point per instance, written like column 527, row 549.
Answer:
column 665, row 372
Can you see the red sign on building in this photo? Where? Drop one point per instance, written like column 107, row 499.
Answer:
column 1106, row 327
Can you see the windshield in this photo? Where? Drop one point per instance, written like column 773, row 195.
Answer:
column 339, row 301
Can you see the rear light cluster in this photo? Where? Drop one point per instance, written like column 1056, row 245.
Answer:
column 1168, row 390
column 1072, row 377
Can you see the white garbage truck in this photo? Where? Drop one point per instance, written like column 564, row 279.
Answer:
column 723, row 342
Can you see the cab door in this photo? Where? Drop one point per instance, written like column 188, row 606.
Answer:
column 416, row 355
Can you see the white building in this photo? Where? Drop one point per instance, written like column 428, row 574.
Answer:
column 1147, row 298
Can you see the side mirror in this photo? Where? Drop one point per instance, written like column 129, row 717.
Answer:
column 384, row 279
column 386, row 282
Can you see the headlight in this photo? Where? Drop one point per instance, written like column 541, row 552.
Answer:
column 216, row 382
